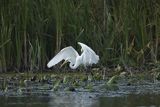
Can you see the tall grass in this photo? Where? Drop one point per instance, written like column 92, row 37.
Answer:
column 121, row 31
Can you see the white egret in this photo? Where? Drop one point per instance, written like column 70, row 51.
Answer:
column 69, row 54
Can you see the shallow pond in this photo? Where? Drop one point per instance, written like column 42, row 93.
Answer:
column 72, row 91
column 81, row 100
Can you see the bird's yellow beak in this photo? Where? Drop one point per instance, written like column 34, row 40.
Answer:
column 63, row 63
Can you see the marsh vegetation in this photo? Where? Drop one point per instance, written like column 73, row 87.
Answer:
column 124, row 33
column 121, row 32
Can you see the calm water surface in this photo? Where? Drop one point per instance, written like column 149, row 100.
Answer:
column 81, row 100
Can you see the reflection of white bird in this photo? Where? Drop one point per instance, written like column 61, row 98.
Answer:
column 69, row 54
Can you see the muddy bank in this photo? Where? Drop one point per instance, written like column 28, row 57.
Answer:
column 95, row 83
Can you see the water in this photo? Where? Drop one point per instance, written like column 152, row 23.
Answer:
column 132, row 100
column 81, row 100
column 42, row 94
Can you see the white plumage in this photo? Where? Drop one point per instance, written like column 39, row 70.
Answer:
column 87, row 58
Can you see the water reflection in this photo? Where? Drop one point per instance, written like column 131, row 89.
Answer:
column 132, row 100
column 24, row 101
column 74, row 100
column 81, row 100
column 55, row 100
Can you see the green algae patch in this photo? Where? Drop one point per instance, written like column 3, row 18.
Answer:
column 39, row 82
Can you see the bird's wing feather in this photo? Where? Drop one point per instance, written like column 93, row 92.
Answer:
column 68, row 53
column 89, row 57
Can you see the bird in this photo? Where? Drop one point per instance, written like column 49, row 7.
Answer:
column 69, row 54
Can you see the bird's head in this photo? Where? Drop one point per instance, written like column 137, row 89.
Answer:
column 66, row 60
column 64, row 63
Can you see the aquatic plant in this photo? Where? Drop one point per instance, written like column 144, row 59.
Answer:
column 122, row 32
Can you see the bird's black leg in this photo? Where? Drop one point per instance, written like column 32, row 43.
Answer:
column 88, row 71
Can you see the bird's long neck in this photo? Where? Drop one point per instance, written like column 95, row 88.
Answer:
column 77, row 63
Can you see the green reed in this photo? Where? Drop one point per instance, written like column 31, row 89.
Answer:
column 123, row 32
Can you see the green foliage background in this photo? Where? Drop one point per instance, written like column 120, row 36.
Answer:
column 123, row 32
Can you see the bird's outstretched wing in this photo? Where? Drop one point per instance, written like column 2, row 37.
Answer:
column 68, row 53
column 89, row 57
